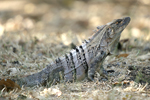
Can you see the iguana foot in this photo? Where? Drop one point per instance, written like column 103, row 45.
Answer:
column 90, row 76
column 103, row 75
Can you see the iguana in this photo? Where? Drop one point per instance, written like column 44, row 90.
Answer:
column 82, row 61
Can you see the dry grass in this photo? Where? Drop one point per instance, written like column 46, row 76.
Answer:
column 33, row 34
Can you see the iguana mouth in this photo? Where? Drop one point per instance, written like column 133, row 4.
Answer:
column 126, row 20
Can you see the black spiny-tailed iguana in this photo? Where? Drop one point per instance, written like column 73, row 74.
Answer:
column 84, row 60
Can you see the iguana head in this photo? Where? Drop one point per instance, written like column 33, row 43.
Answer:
column 107, row 36
column 113, row 32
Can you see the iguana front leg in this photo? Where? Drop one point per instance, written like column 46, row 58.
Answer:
column 95, row 64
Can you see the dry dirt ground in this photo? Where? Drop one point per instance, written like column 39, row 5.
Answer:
column 33, row 33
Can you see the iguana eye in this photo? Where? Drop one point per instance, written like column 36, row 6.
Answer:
column 118, row 22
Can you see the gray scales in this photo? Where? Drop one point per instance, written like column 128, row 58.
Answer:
column 82, row 62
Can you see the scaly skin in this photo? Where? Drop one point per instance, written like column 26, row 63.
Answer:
column 84, row 60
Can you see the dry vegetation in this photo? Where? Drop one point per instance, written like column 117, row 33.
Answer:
column 33, row 33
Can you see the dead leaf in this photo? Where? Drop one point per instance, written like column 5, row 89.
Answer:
column 4, row 61
column 124, row 40
column 122, row 55
column 8, row 85
column 120, row 83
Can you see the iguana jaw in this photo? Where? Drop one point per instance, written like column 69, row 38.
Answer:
column 118, row 26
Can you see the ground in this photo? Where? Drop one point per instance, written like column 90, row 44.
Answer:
column 34, row 33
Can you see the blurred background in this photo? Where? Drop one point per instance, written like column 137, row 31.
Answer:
column 70, row 21
column 35, row 32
